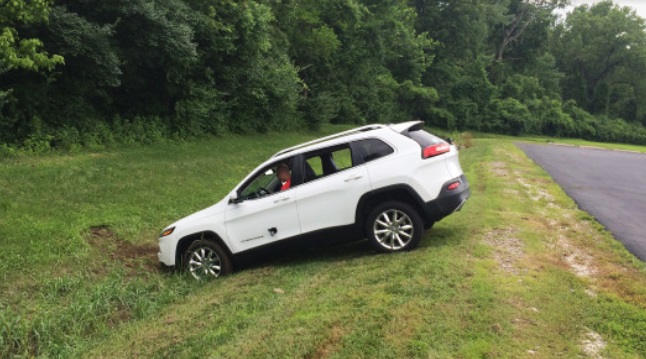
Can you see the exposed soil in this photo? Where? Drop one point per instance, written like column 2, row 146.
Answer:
column 328, row 346
column 533, row 192
column 579, row 261
column 593, row 345
column 508, row 248
column 499, row 169
column 134, row 257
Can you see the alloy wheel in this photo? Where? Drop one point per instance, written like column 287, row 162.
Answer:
column 204, row 262
column 393, row 229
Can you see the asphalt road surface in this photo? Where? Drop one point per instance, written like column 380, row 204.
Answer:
column 609, row 185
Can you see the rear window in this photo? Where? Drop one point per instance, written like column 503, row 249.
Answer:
column 424, row 138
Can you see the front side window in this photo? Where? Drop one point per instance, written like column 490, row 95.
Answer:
column 273, row 178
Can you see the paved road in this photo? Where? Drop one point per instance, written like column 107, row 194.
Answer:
column 609, row 185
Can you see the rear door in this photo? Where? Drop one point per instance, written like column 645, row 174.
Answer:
column 334, row 181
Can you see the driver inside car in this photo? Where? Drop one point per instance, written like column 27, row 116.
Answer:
column 284, row 175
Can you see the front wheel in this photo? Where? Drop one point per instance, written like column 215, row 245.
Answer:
column 205, row 259
column 394, row 227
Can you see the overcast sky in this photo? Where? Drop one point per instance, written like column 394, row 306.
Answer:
column 638, row 5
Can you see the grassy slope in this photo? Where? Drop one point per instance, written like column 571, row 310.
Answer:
column 519, row 272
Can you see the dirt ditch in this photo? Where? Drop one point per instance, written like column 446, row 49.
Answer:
column 133, row 257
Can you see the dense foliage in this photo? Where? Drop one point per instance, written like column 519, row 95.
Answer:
column 85, row 72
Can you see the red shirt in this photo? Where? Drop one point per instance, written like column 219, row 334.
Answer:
column 286, row 185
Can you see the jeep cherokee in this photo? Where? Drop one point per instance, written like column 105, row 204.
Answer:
column 385, row 182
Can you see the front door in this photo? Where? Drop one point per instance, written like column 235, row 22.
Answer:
column 265, row 215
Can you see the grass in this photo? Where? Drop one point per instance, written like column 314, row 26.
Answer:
column 570, row 142
column 519, row 272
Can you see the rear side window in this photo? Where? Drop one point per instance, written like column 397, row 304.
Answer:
column 342, row 158
column 324, row 163
column 372, row 149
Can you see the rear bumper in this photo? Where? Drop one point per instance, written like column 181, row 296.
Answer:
column 448, row 201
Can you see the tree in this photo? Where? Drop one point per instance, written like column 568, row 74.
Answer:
column 521, row 17
column 17, row 53
column 192, row 67
column 462, row 56
column 82, row 88
column 243, row 66
column 20, row 54
column 602, row 49
column 359, row 61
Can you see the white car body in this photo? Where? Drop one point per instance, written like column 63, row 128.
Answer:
column 334, row 200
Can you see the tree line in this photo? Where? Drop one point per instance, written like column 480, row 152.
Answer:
column 83, row 72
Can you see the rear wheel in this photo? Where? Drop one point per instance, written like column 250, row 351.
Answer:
column 394, row 227
column 205, row 259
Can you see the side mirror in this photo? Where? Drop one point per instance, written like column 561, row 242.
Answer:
column 233, row 198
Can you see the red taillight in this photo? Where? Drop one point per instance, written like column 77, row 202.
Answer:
column 435, row 150
column 453, row 186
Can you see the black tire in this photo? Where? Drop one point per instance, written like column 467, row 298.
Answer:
column 394, row 227
column 206, row 259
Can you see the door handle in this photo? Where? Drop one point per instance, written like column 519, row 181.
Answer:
column 281, row 200
column 354, row 178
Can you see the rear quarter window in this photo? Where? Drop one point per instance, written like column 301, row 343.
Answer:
column 424, row 138
column 372, row 149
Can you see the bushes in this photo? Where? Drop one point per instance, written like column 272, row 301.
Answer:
column 96, row 135
column 550, row 117
column 510, row 116
column 320, row 110
column 553, row 121
column 617, row 130
column 584, row 123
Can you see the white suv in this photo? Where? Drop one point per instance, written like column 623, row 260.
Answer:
column 384, row 182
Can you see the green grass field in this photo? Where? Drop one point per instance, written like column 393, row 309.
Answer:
column 519, row 272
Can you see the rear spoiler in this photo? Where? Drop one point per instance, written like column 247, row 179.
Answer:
column 406, row 126
column 409, row 126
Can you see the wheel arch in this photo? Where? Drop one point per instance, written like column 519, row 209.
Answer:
column 186, row 241
column 402, row 193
